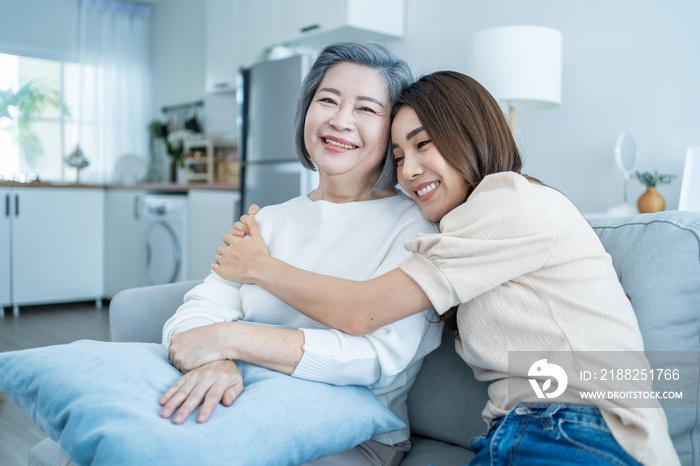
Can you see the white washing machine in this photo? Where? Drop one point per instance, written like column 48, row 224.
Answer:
column 165, row 238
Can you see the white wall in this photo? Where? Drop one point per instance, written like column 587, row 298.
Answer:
column 628, row 65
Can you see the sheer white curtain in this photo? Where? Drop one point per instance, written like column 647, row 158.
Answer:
column 115, row 94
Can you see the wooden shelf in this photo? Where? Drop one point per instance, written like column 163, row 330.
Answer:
column 215, row 168
column 199, row 161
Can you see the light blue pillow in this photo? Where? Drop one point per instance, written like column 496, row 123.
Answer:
column 99, row 402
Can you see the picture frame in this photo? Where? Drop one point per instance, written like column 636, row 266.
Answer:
column 690, row 184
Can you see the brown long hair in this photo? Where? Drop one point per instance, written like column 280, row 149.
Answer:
column 467, row 126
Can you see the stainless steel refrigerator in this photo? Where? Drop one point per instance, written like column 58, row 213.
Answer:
column 267, row 95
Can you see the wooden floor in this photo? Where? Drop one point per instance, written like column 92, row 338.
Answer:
column 41, row 326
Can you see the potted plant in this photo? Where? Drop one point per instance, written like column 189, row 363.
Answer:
column 174, row 143
column 18, row 111
column 652, row 201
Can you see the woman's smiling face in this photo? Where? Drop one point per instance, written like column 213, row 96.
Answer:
column 423, row 172
column 346, row 130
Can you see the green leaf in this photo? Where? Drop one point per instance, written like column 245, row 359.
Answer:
column 653, row 179
column 22, row 108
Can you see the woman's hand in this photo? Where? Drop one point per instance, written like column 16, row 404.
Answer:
column 198, row 346
column 240, row 228
column 237, row 260
column 207, row 385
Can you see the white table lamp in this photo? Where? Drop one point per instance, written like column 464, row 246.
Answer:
column 519, row 65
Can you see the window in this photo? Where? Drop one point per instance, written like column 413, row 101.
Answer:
column 57, row 131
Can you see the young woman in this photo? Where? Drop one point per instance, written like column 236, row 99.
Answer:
column 516, row 267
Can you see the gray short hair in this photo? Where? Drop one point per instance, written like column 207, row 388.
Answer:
column 394, row 70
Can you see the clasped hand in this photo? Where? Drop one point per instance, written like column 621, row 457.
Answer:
column 209, row 377
column 236, row 260
column 190, row 349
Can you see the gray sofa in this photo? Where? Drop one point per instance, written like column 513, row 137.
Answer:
column 657, row 257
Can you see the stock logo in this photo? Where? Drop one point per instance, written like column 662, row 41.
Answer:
column 542, row 369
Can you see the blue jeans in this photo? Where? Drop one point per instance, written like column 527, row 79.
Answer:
column 549, row 434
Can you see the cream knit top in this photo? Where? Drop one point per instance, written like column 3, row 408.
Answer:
column 530, row 274
column 353, row 240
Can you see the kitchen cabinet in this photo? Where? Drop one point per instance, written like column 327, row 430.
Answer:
column 221, row 55
column 317, row 23
column 5, row 248
column 57, row 239
column 212, row 214
column 124, row 246
column 74, row 244
column 237, row 32
column 255, row 29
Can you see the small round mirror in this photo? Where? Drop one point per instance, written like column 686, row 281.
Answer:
column 626, row 154
column 626, row 159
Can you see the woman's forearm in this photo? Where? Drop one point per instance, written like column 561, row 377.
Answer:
column 274, row 348
column 354, row 307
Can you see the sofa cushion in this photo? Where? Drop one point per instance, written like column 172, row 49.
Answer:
column 139, row 314
column 657, row 257
column 427, row 451
column 446, row 401
column 99, row 401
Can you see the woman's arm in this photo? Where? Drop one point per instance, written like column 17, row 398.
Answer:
column 357, row 308
column 212, row 301
column 278, row 349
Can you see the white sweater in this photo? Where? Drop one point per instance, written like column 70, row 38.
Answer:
column 357, row 241
column 530, row 275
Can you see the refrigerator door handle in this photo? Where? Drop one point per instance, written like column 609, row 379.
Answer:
column 309, row 28
column 136, row 207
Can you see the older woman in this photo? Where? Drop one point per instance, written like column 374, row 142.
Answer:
column 342, row 129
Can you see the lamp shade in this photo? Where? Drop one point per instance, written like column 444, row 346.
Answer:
column 519, row 65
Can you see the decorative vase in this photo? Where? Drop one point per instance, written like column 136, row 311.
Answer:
column 651, row 201
column 173, row 171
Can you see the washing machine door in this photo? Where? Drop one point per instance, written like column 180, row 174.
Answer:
column 163, row 254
